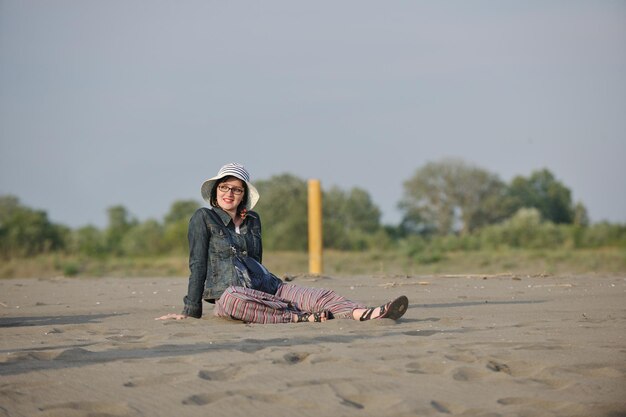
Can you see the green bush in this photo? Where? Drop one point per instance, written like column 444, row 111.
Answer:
column 144, row 239
column 525, row 229
column 89, row 241
column 603, row 234
column 27, row 232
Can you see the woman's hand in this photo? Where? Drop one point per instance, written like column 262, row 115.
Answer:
column 172, row 316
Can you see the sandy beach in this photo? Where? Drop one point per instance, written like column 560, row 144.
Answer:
column 469, row 345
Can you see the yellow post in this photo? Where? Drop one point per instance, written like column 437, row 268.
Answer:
column 315, row 227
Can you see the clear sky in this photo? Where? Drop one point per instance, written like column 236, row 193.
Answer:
column 137, row 102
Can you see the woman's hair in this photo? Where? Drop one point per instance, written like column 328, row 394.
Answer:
column 244, row 200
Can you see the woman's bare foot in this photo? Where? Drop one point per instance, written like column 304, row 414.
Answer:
column 392, row 310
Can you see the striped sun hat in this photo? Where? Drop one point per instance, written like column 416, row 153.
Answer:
column 231, row 170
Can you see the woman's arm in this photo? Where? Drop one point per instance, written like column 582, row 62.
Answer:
column 198, row 235
column 260, row 241
column 172, row 316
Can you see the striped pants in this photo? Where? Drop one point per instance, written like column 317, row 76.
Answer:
column 252, row 306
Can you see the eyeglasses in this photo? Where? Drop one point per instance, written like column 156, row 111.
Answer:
column 225, row 188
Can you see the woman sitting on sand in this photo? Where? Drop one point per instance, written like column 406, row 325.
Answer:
column 230, row 222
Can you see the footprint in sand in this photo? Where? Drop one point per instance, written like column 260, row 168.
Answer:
column 293, row 358
column 423, row 333
column 152, row 380
column 525, row 401
column 223, row 374
column 493, row 365
column 428, row 368
column 352, row 404
column 461, row 357
column 600, row 371
column 182, row 335
column 555, row 377
column 515, row 368
column 536, row 406
column 543, row 346
column 204, row 399
column 445, row 407
column 95, row 408
column 74, row 355
column 326, row 358
column 465, row 373
column 318, row 382
column 27, row 356
column 125, row 338
column 289, row 356
column 247, row 396
column 499, row 367
column 8, row 392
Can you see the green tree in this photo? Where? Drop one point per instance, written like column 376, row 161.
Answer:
column 581, row 217
column 604, row 234
column 350, row 219
column 90, row 241
column 181, row 210
column 451, row 195
column 525, row 229
column 27, row 232
column 144, row 239
column 119, row 224
column 283, row 211
column 545, row 193
column 176, row 225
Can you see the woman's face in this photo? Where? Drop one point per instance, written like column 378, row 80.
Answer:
column 230, row 193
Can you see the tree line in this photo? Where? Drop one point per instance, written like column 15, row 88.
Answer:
column 446, row 205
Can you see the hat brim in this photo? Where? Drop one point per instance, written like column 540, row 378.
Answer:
column 207, row 187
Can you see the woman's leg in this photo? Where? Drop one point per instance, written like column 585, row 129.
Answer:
column 317, row 300
column 252, row 306
column 391, row 310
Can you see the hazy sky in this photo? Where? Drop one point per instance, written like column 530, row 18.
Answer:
column 137, row 102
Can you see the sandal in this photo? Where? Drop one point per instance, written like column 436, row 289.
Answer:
column 392, row 310
column 317, row 317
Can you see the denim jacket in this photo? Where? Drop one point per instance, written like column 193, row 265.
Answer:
column 210, row 264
